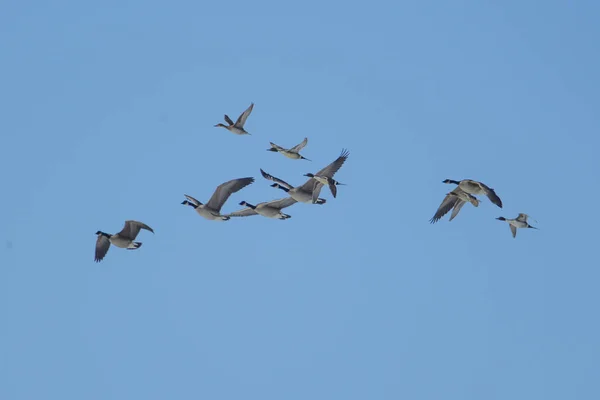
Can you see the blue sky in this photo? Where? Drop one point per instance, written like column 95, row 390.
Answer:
column 107, row 115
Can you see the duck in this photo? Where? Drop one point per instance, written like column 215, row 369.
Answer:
column 519, row 222
column 293, row 153
column 453, row 201
column 302, row 194
column 474, row 187
column 212, row 209
column 269, row 209
column 325, row 176
column 124, row 239
column 238, row 127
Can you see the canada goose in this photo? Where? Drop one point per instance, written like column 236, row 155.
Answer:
column 325, row 176
column 302, row 193
column 473, row 187
column 269, row 209
column 453, row 200
column 519, row 222
column 212, row 209
column 124, row 239
column 238, row 127
column 292, row 153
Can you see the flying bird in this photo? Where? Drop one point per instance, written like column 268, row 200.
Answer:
column 124, row 239
column 473, row 187
column 303, row 193
column 453, row 201
column 212, row 209
column 292, row 153
column 325, row 176
column 269, row 209
column 238, row 127
column 519, row 222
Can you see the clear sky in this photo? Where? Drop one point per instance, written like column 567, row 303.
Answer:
column 107, row 114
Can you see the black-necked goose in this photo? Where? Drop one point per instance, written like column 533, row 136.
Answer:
column 269, row 209
column 124, row 239
column 293, row 153
column 212, row 209
column 453, row 201
column 301, row 193
column 325, row 176
column 519, row 222
column 474, row 187
column 238, row 126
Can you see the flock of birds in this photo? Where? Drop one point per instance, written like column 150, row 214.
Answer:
column 464, row 192
column 306, row 193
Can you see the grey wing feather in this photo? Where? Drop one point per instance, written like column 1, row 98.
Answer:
column 522, row 217
column 192, row 200
column 228, row 120
column 132, row 228
column 447, row 204
column 245, row 212
column 489, row 192
column 456, row 209
column 102, row 246
column 225, row 190
column 276, row 147
column 274, row 179
column 244, row 116
column 309, row 186
column 513, row 229
column 332, row 168
column 316, row 190
column 282, row 203
column 299, row 146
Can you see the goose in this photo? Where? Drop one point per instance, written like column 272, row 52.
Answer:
column 238, row 127
column 292, row 153
column 453, row 200
column 124, row 239
column 325, row 176
column 212, row 209
column 473, row 187
column 301, row 194
column 269, row 209
column 519, row 222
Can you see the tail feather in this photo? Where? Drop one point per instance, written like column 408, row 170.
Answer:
column 134, row 245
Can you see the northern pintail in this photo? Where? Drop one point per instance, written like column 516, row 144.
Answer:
column 292, row 153
column 269, row 209
column 325, row 176
column 124, row 239
column 238, row 127
column 473, row 187
column 519, row 222
column 453, row 200
column 301, row 193
column 212, row 209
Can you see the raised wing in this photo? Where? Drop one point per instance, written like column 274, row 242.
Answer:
column 332, row 168
column 245, row 212
column 228, row 120
column 299, row 146
column 522, row 217
column 274, row 179
column 513, row 229
column 132, row 228
column 102, row 246
column 489, row 192
column 244, row 116
column 281, row 203
column 192, row 200
column 447, row 204
column 225, row 190
column 276, row 147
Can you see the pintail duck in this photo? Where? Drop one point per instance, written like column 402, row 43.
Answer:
column 453, row 200
column 303, row 193
column 124, row 239
column 212, row 209
column 473, row 187
column 292, row 153
column 269, row 209
column 519, row 222
column 325, row 176
column 238, row 127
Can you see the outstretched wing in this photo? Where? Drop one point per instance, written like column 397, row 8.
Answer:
column 244, row 212
column 281, row 203
column 299, row 146
column 192, row 200
column 274, row 179
column 228, row 120
column 225, row 190
column 102, row 246
column 244, row 116
column 489, row 192
column 276, row 147
column 447, row 204
column 132, row 228
column 332, row 168
column 457, row 206
column 513, row 229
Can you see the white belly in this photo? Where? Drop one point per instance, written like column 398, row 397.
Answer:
column 518, row 224
column 301, row 196
column 120, row 242
column 293, row 156
column 208, row 214
column 269, row 212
